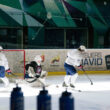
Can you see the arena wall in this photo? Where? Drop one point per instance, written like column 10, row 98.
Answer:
column 94, row 60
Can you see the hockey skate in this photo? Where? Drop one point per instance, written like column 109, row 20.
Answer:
column 71, row 85
column 64, row 84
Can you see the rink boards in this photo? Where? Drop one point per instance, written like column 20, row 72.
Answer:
column 21, row 75
column 95, row 61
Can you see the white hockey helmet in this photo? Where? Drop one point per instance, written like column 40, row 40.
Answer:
column 82, row 48
column 37, row 58
column 1, row 48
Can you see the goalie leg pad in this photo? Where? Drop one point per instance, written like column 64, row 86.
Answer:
column 42, row 81
column 43, row 74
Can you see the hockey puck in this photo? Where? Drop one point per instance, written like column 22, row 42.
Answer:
column 57, row 86
column 79, row 91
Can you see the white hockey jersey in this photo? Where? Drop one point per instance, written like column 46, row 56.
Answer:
column 74, row 57
column 3, row 61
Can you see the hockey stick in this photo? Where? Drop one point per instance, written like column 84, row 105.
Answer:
column 87, row 76
column 35, row 80
column 14, row 75
column 31, row 80
column 26, row 77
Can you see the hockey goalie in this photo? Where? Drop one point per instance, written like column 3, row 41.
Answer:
column 34, row 73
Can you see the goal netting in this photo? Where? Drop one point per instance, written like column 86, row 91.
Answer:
column 16, row 61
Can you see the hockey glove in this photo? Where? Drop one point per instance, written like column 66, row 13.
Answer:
column 37, row 75
column 9, row 71
column 80, row 66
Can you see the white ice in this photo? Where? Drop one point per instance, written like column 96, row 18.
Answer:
column 92, row 97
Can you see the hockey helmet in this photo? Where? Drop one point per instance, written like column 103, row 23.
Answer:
column 37, row 58
column 82, row 48
column 1, row 48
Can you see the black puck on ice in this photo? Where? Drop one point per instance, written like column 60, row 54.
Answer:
column 57, row 86
column 79, row 91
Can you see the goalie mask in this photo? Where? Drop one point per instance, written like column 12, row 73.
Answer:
column 39, row 58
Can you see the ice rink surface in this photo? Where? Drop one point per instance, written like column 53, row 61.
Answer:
column 92, row 97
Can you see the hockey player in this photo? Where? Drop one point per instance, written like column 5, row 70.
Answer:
column 34, row 71
column 4, row 68
column 73, row 60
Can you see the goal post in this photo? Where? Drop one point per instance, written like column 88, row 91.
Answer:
column 16, row 60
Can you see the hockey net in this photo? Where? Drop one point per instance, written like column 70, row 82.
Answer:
column 16, row 61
